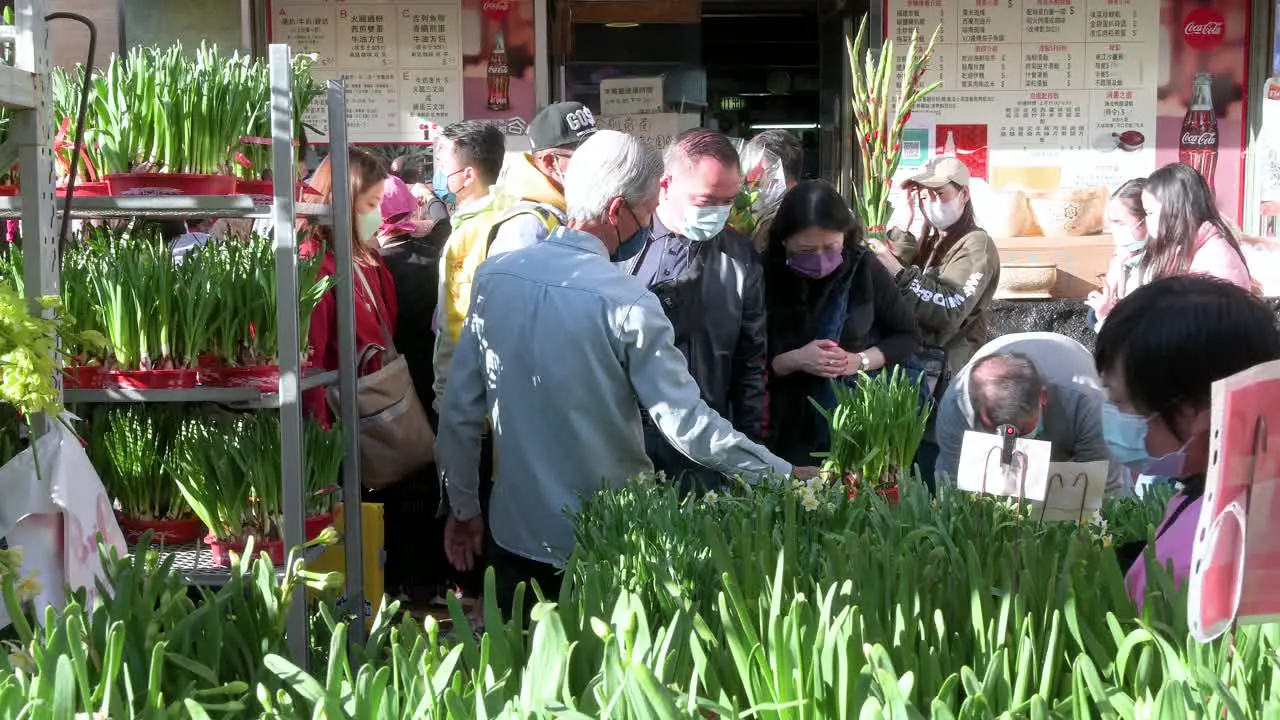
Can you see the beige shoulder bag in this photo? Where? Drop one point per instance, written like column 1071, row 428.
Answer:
column 395, row 435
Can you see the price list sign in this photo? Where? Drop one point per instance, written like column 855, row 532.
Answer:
column 1039, row 82
column 401, row 62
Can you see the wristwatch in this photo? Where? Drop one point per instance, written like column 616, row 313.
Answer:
column 864, row 362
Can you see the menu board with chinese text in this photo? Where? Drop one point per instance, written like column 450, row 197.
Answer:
column 401, row 62
column 1039, row 94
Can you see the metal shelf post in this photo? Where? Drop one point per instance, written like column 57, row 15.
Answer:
column 347, row 370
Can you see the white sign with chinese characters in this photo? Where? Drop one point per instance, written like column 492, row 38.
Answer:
column 1025, row 80
column 631, row 96
column 401, row 62
column 657, row 129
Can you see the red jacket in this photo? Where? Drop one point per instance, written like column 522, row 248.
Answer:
column 322, row 339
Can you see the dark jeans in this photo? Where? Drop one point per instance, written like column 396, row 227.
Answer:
column 510, row 569
column 927, row 461
column 688, row 475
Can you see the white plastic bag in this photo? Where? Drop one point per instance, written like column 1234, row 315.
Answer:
column 56, row 518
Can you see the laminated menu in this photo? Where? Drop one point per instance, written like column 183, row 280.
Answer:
column 1235, row 565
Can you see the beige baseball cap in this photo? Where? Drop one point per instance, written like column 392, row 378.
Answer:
column 942, row 170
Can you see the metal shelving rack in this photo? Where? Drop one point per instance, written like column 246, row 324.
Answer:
column 25, row 88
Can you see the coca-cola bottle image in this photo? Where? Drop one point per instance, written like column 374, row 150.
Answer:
column 499, row 76
column 1198, row 146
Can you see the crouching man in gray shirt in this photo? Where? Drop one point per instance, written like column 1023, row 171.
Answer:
column 1044, row 384
column 558, row 347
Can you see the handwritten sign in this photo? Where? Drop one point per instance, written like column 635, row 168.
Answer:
column 1075, row 491
column 657, row 129
column 631, row 96
column 980, row 470
column 402, row 63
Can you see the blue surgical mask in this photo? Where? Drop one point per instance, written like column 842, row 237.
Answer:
column 703, row 223
column 1126, row 438
column 440, row 183
column 631, row 246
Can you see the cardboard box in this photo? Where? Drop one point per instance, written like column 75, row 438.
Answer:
column 1082, row 261
column 334, row 559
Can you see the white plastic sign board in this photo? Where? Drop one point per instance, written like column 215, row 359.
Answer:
column 631, row 96
column 1073, row 492
column 980, row 470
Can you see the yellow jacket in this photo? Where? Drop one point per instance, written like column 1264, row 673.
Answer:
column 481, row 229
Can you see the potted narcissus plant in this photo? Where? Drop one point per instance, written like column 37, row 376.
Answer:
column 132, row 449
column 876, row 424
column 228, row 470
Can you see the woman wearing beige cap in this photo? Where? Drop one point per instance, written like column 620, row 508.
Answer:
column 949, row 274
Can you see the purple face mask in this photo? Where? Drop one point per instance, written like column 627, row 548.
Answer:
column 815, row 265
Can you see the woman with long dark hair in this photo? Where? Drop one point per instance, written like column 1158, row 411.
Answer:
column 1188, row 236
column 832, row 312
column 1158, row 356
column 375, row 299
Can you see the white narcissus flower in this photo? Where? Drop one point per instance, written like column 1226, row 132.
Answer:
column 19, row 658
column 711, row 497
column 809, row 501
column 29, row 587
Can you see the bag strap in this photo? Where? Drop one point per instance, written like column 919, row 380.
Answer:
column 389, row 344
column 545, row 213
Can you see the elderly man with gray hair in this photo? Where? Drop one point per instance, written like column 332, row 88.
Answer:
column 558, row 346
column 1043, row 384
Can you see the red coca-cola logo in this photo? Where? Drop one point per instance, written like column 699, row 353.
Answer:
column 496, row 9
column 1204, row 28
column 1207, row 139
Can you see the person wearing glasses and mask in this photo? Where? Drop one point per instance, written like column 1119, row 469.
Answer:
column 949, row 272
column 709, row 280
column 533, row 182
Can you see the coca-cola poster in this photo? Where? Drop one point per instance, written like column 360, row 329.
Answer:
column 500, row 49
column 1202, row 94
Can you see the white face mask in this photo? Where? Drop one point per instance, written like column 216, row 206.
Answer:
column 942, row 214
column 703, row 223
column 1125, row 241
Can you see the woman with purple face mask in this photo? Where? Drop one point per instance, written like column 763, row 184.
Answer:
column 832, row 310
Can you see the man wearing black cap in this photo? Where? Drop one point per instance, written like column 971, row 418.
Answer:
column 535, row 181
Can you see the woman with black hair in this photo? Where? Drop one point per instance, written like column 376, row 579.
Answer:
column 1158, row 355
column 1187, row 234
column 832, row 312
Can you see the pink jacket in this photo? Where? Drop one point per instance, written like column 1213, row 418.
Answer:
column 1174, row 542
column 1215, row 257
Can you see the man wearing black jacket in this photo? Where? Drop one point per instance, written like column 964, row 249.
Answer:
column 708, row 279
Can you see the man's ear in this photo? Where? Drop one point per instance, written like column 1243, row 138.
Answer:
column 613, row 210
column 1044, row 398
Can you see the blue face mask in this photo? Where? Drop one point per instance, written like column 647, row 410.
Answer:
column 1126, row 438
column 703, row 223
column 440, row 183
column 1039, row 429
column 632, row 246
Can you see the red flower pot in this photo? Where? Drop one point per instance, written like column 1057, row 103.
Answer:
column 890, row 494
column 151, row 184
column 166, row 532
column 85, row 189
column 263, row 192
column 265, row 378
column 222, row 549
column 10, row 191
column 83, row 377
column 179, row 379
